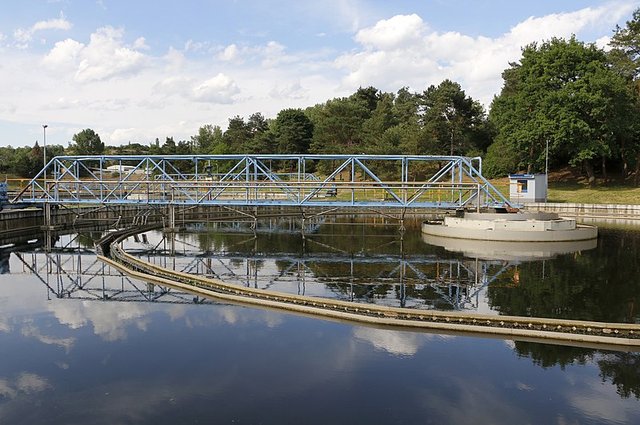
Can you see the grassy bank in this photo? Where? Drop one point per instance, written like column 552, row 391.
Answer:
column 562, row 189
column 581, row 193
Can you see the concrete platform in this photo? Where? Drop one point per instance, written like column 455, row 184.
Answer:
column 516, row 227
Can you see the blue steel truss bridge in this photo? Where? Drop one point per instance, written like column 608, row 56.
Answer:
column 331, row 181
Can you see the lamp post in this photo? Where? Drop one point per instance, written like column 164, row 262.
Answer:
column 546, row 172
column 450, row 110
column 44, row 150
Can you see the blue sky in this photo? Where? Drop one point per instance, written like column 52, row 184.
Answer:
column 137, row 70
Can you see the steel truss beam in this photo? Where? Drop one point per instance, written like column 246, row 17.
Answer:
column 81, row 276
column 371, row 181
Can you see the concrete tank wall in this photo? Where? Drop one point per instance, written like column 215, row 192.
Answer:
column 587, row 210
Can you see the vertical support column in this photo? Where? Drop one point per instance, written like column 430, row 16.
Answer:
column 301, row 180
column 460, row 172
column 403, row 289
column 197, row 178
column 404, row 176
column 47, row 215
column 172, row 248
column 353, row 180
column 254, row 225
column 172, row 217
column 48, row 239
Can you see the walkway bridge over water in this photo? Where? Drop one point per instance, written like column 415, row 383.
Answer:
column 332, row 181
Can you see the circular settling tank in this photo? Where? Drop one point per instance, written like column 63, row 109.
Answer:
column 511, row 227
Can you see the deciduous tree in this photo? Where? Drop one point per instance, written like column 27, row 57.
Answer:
column 564, row 92
column 87, row 142
column 292, row 131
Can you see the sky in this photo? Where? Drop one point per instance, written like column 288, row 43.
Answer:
column 137, row 70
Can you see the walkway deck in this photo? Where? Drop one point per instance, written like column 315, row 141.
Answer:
column 367, row 181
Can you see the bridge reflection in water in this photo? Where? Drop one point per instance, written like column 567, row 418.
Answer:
column 79, row 275
column 72, row 271
column 322, row 270
column 458, row 285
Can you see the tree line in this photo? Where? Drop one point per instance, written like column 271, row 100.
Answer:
column 567, row 100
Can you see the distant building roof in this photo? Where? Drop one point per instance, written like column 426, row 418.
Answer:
column 522, row 176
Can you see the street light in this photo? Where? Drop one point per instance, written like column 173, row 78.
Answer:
column 450, row 110
column 546, row 171
column 44, row 143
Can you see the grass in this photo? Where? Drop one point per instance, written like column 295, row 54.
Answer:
column 576, row 191
column 563, row 188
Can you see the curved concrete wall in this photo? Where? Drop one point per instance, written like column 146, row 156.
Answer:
column 521, row 216
column 587, row 210
column 507, row 235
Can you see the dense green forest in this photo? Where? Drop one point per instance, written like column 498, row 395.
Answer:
column 581, row 101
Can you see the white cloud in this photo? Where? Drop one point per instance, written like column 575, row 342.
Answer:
column 219, row 89
column 603, row 43
column 109, row 320
column 346, row 15
column 30, row 383
column 403, row 51
column 566, row 24
column 64, row 52
column 124, row 135
column 289, row 91
column 52, row 24
column 268, row 55
column 174, row 59
column 30, row 330
column 105, row 57
column 140, row 44
column 91, row 81
column 230, row 53
column 274, row 54
column 26, row 383
column 395, row 342
column 24, row 36
column 398, row 32
column 600, row 402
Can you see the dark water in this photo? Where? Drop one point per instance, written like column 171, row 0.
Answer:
column 82, row 344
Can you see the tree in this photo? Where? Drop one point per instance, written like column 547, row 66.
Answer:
column 338, row 126
column 406, row 105
column 626, row 46
column 237, row 135
column 169, row 146
column 625, row 57
column 87, row 142
column 128, row 149
column 26, row 162
column 367, row 97
column 208, row 136
column 257, row 124
column 261, row 135
column 566, row 93
column 292, row 131
column 381, row 119
column 454, row 119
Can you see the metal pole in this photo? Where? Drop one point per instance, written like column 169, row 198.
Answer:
column 44, row 150
column 546, row 171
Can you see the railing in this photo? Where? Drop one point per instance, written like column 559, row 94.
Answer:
column 241, row 180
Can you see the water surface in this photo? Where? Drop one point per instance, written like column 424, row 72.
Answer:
column 81, row 344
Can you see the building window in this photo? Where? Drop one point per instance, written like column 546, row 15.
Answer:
column 522, row 186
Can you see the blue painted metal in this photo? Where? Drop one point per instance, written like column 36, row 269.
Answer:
column 257, row 180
